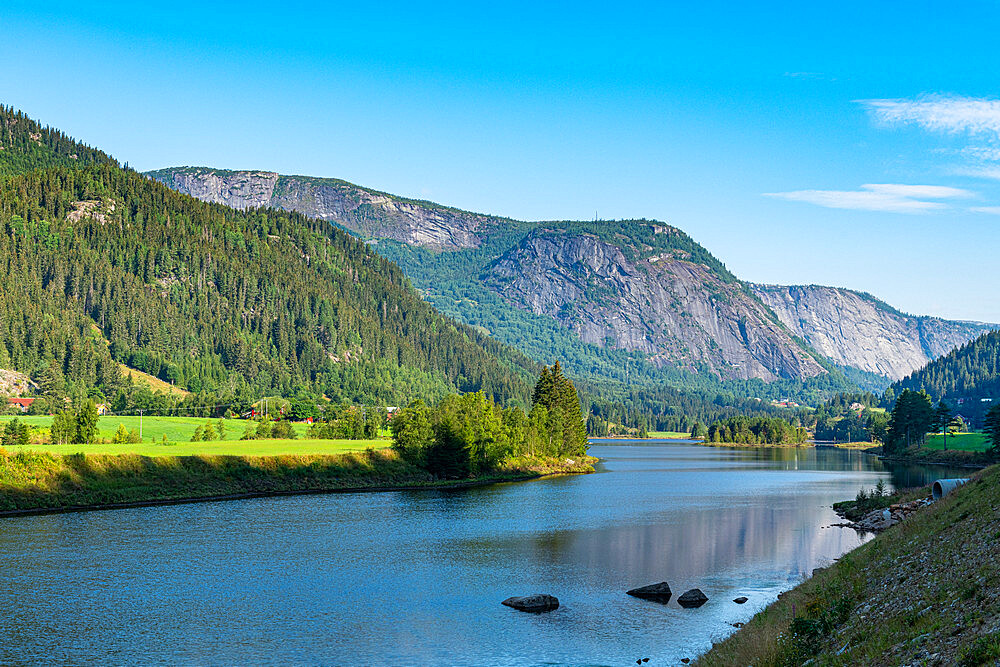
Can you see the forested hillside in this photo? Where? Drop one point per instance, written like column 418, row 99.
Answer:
column 103, row 265
column 968, row 378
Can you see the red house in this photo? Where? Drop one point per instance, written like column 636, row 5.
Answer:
column 23, row 403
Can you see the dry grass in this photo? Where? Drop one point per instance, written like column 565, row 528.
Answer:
column 155, row 383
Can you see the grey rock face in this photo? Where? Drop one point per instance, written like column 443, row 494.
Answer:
column 856, row 330
column 692, row 599
column 674, row 310
column 656, row 592
column 537, row 603
column 366, row 212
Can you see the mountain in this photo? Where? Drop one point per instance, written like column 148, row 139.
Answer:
column 629, row 300
column 968, row 377
column 856, row 329
column 104, row 267
column 368, row 213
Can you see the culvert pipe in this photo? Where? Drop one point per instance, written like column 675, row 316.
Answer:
column 943, row 487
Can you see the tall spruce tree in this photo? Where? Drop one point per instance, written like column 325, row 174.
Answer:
column 991, row 426
column 556, row 393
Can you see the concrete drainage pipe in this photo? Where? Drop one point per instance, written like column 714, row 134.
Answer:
column 943, row 487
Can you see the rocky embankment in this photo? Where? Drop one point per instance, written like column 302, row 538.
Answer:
column 877, row 520
column 923, row 592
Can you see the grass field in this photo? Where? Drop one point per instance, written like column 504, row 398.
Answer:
column 669, row 435
column 219, row 448
column 177, row 429
column 966, row 442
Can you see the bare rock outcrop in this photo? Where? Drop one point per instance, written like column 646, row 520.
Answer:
column 676, row 311
column 857, row 330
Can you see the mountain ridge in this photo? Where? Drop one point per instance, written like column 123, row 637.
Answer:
column 481, row 247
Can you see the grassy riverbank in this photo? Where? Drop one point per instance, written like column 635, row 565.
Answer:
column 33, row 480
column 927, row 591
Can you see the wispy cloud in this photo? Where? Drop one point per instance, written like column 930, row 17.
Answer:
column 940, row 113
column 992, row 210
column 990, row 172
column 886, row 197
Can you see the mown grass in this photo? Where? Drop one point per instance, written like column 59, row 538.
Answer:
column 669, row 435
column 33, row 480
column 966, row 442
column 154, row 428
column 218, row 448
column 929, row 586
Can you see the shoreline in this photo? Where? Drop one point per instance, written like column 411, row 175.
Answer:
column 40, row 483
column 862, row 608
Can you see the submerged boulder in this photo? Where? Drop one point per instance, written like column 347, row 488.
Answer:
column 533, row 603
column 656, row 592
column 692, row 598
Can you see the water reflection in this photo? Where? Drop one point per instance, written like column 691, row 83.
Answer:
column 417, row 577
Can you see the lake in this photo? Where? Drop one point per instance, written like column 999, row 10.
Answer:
column 417, row 577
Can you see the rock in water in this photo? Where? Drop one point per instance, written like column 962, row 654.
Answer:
column 740, row 600
column 656, row 592
column 534, row 603
column 692, row 598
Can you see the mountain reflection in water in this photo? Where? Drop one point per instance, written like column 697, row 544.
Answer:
column 417, row 577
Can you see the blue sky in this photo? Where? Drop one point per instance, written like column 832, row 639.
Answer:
column 850, row 144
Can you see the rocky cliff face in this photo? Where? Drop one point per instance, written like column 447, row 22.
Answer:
column 365, row 212
column 857, row 330
column 675, row 311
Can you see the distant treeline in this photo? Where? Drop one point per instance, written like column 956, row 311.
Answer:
column 756, row 431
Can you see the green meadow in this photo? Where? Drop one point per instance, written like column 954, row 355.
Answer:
column 218, row 448
column 175, row 428
column 178, row 432
column 966, row 442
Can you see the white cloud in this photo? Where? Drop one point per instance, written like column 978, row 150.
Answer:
column 940, row 113
column 992, row 210
column 988, row 172
column 887, row 197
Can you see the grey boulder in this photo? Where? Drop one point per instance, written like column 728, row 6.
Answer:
column 656, row 592
column 692, row 598
column 533, row 603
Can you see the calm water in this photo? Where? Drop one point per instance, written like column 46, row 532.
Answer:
column 417, row 577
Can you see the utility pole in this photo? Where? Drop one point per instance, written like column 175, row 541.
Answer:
column 140, row 424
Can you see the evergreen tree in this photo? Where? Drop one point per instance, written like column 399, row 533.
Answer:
column 991, row 427
column 16, row 433
column 557, row 394
column 941, row 420
column 86, row 422
column 912, row 417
